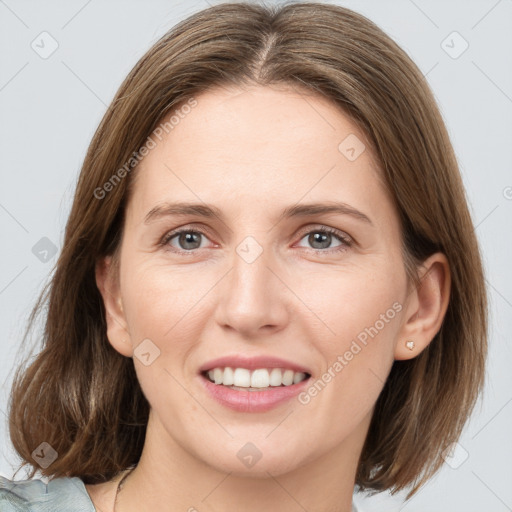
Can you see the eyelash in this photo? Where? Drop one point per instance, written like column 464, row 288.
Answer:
column 345, row 240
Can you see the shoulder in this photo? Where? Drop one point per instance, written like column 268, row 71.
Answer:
column 58, row 495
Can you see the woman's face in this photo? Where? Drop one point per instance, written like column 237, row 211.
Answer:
column 255, row 279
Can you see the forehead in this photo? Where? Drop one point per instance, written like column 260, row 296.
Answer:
column 255, row 146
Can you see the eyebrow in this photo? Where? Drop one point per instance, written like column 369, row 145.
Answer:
column 298, row 210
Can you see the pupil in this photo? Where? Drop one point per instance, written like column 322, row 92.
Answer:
column 190, row 238
column 317, row 237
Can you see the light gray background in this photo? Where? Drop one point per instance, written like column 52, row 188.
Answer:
column 49, row 109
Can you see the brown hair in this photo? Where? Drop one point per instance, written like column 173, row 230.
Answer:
column 83, row 398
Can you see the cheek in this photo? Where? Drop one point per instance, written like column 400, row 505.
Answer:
column 363, row 315
column 160, row 302
column 160, row 305
column 354, row 303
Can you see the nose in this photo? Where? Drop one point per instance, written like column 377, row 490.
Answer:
column 253, row 298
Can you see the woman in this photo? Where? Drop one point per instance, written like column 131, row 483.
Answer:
column 270, row 291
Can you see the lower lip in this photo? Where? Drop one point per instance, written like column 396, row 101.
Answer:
column 252, row 401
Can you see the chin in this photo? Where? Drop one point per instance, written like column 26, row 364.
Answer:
column 255, row 459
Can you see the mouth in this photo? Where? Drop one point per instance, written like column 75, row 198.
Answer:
column 258, row 379
column 253, row 384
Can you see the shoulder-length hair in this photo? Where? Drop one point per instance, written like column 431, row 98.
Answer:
column 82, row 397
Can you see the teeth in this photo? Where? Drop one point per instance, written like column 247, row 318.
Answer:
column 288, row 377
column 259, row 378
column 276, row 376
column 228, row 378
column 241, row 378
column 218, row 375
column 298, row 377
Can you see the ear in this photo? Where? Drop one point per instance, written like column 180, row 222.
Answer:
column 426, row 307
column 107, row 282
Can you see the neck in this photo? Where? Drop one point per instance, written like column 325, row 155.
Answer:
column 168, row 478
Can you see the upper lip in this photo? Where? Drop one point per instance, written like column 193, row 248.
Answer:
column 252, row 363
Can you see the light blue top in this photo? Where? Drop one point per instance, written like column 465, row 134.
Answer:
column 58, row 495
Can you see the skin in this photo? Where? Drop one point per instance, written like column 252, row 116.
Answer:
column 252, row 152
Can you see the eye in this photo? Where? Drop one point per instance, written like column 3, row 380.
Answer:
column 186, row 239
column 322, row 238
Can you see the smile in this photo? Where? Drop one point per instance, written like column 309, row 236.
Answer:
column 258, row 379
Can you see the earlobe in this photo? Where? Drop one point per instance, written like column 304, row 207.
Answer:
column 108, row 285
column 426, row 308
